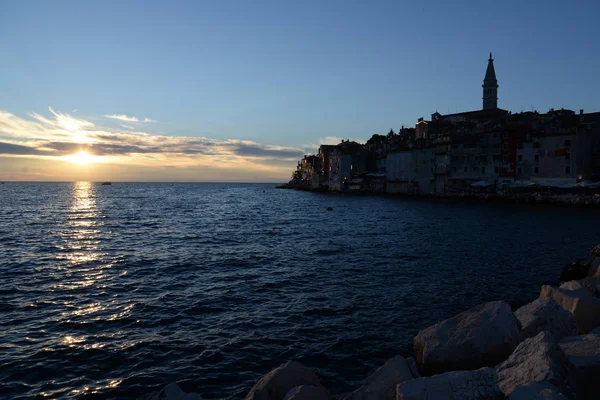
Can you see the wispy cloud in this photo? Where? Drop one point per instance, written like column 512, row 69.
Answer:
column 127, row 118
column 123, row 117
column 127, row 126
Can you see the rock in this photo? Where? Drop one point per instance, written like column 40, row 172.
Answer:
column 585, row 308
column 329, row 208
column 545, row 315
column 307, row 392
column 412, row 364
column 537, row 359
column 583, row 354
column 590, row 284
column 277, row 383
column 482, row 336
column 464, row 385
column 172, row 392
column 381, row 385
column 594, row 266
column 574, row 271
column 536, row 391
column 572, row 285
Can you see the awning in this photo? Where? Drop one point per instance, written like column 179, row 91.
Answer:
column 484, row 184
column 557, row 184
column 522, row 184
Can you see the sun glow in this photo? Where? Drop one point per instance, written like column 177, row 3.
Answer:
column 81, row 158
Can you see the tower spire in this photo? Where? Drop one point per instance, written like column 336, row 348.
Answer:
column 490, row 86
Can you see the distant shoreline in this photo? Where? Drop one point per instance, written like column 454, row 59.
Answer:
column 584, row 201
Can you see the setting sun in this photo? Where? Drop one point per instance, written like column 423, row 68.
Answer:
column 81, row 158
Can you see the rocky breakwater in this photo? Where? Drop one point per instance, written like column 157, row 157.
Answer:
column 547, row 349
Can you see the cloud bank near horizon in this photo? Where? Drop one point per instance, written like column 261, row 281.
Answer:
column 60, row 135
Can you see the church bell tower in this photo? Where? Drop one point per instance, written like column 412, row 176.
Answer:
column 490, row 87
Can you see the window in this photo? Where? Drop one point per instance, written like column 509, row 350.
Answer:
column 431, row 181
column 567, row 156
column 567, row 170
column 505, row 158
column 454, row 158
column 466, row 158
column 483, row 158
column 536, row 170
column 476, row 158
column 455, row 146
column 536, row 157
column 453, row 169
column 505, row 146
column 466, row 169
column 483, row 170
column 495, row 170
column 424, row 161
column 536, row 145
column 520, row 157
column 505, row 135
column 521, row 146
column 520, row 171
column 567, row 142
column 475, row 169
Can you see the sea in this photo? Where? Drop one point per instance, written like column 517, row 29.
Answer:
column 111, row 292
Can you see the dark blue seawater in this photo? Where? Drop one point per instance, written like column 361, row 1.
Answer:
column 113, row 291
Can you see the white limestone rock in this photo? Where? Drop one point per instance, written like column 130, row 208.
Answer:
column 465, row 385
column 537, row 391
column 172, row 392
column 277, row 383
column 585, row 308
column 381, row 385
column 583, row 354
column 537, row 359
column 573, row 285
column 545, row 315
column 482, row 336
column 307, row 392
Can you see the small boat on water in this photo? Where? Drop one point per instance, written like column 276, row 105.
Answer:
column 106, row 183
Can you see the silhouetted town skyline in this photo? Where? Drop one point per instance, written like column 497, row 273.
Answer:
column 486, row 148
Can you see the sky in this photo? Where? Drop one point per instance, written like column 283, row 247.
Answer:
column 238, row 91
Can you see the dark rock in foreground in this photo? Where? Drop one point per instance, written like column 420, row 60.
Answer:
column 381, row 385
column 537, row 359
column 536, row 391
column 545, row 315
column 482, row 336
column 277, row 383
column 465, row 385
column 583, row 354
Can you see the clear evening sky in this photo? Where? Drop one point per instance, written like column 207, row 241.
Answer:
column 239, row 90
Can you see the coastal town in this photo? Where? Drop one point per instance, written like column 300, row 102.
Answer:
column 487, row 151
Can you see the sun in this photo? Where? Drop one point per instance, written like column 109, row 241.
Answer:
column 81, row 158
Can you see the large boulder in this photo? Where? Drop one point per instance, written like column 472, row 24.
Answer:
column 574, row 271
column 482, row 336
column 585, row 308
column 537, row 359
column 536, row 391
column 307, row 392
column 381, row 385
column 172, row 392
column 545, row 315
column 465, row 385
column 583, row 354
column 277, row 383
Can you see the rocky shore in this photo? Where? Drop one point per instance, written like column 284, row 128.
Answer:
column 547, row 349
column 568, row 199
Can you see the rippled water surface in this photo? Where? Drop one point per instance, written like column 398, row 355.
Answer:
column 113, row 291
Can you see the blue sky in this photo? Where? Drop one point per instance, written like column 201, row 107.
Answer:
column 291, row 73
